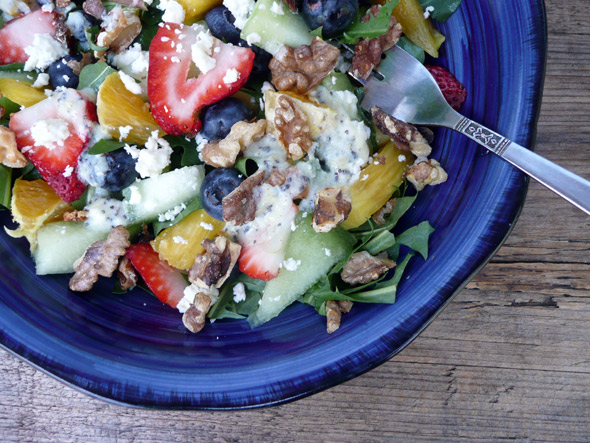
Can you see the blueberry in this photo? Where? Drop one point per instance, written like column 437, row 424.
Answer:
column 260, row 70
column 221, row 116
column 216, row 185
column 221, row 24
column 113, row 171
column 334, row 15
column 60, row 74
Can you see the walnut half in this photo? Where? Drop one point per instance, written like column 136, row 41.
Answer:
column 302, row 69
column 9, row 154
column 196, row 315
column 292, row 127
column 239, row 207
column 363, row 268
column 406, row 136
column 121, row 29
column 426, row 173
column 223, row 153
column 332, row 207
column 214, row 266
column 334, row 311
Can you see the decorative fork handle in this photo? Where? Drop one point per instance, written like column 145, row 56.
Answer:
column 568, row 185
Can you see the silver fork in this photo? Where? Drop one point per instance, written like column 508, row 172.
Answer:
column 404, row 88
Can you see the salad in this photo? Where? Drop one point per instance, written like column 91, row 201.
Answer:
column 215, row 153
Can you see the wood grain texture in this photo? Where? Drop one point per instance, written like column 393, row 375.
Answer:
column 508, row 359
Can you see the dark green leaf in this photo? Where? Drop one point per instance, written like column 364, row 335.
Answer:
column 227, row 314
column 380, row 243
column 29, row 172
column 5, row 186
column 317, row 32
column 374, row 27
column 252, row 284
column 248, row 306
column 149, row 20
column 9, row 106
column 104, row 146
column 190, row 155
column 193, row 206
column 413, row 49
column 17, row 72
column 247, row 166
column 109, row 5
column 226, row 296
column 93, row 75
column 443, row 9
column 416, row 238
column 91, row 34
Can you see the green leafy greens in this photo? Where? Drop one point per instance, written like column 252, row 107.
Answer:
column 374, row 27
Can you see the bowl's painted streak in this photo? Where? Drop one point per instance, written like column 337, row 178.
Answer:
column 132, row 349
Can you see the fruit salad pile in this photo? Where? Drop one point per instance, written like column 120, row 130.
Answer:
column 214, row 153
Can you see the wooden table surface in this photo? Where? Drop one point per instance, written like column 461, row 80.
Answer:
column 509, row 358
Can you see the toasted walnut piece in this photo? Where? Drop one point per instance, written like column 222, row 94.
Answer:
column 194, row 318
column 406, row 136
column 238, row 207
column 75, row 216
column 213, row 267
column 345, row 306
column 9, row 154
column 101, row 258
column 127, row 275
column 426, row 173
column 379, row 216
column 292, row 127
column 76, row 66
column 223, row 154
column 334, row 311
column 302, row 69
column 364, row 268
column 123, row 28
column 276, row 178
column 62, row 3
column 367, row 52
column 94, row 8
column 61, row 30
column 426, row 133
column 332, row 207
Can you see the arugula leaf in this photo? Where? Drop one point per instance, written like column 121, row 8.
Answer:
column 104, row 146
column 225, row 298
column 415, row 238
column 374, row 27
column 411, row 48
column 5, row 186
column 190, row 155
column 93, row 75
column 317, row 32
column 380, row 243
column 29, row 172
column 149, row 20
column 17, row 72
column 443, row 9
column 9, row 106
column 247, row 166
column 194, row 205
column 402, row 205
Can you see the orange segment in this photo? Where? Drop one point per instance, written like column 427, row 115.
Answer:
column 118, row 107
column 20, row 92
column 34, row 203
column 180, row 244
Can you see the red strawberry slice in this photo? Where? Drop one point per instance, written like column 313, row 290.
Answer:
column 57, row 162
column 454, row 92
column 164, row 281
column 175, row 95
column 19, row 33
column 263, row 252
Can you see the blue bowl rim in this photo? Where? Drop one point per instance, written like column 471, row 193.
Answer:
column 540, row 38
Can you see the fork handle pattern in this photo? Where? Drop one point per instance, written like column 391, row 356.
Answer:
column 568, row 185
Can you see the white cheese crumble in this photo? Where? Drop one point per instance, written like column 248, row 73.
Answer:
column 241, row 10
column 179, row 240
column 154, row 158
column 130, row 84
column 231, row 76
column 401, row 158
column 172, row 213
column 68, row 171
column 191, row 292
column 51, row 133
column 124, row 132
column 291, row 264
column 277, row 8
column 207, row 226
column 327, row 252
column 43, row 51
column 133, row 61
column 252, row 38
column 429, row 10
column 202, row 50
column 41, row 80
column 173, row 11
column 239, row 291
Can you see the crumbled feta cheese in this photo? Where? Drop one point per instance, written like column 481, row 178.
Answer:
column 364, row 177
column 252, row 38
column 239, row 293
column 231, row 76
column 277, row 8
column 48, row 7
column 174, row 59
column 327, row 252
column 130, row 84
column 240, row 9
column 43, row 51
column 42, row 80
column 172, row 213
column 124, row 131
column 173, row 11
column 429, row 10
column 293, row 226
column 202, row 50
column 50, row 133
column 291, row 264
column 207, row 226
column 191, row 292
column 401, row 158
column 179, row 240
column 68, row 171
column 154, row 158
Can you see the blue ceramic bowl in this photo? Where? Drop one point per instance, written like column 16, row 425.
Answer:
column 133, row 350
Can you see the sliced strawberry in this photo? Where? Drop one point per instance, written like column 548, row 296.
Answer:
column 57, row 164
column 454, row 92
column 164, row 281
column 19, row 33
column 264, row 245
column 175, row 95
